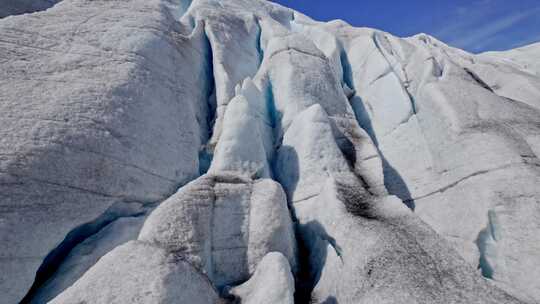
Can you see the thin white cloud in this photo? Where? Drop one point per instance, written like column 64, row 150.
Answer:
column 478, row 25
column 465, row 17
column 525, row 41
column 489, row 29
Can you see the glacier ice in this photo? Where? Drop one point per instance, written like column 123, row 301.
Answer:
column 148, row 275
column 257, row 155
column 224, row 224
column 272, row 283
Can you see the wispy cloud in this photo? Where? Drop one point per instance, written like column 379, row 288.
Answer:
column 477, row 26
column 487, row 31
column 525, row 41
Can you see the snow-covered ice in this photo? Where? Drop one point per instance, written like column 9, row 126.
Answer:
column 167, row 151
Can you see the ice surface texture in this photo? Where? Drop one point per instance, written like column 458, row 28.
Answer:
column 176, row 151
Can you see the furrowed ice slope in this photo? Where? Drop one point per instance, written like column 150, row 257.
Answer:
column 96, row 111
column 523, row 57
column 171, row 151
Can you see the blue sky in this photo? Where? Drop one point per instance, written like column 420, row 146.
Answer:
column 473, row 25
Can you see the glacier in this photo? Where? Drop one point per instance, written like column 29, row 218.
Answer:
column 227, row 151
